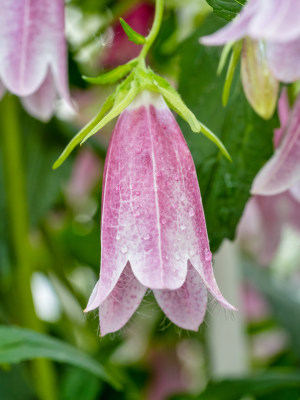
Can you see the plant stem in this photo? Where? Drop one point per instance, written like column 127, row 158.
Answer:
column 17, row 213
column 159, row 8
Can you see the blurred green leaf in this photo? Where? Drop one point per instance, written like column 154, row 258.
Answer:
column 19, row 344
column 248, row 138
column 227, row 9
column 80, row 385
column 233, row 389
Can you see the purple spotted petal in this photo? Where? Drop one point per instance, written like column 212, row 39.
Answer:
column 40, row 104
column 284, row 60
column 185, row 306
column 295, row 192
column 282, row 171
column 31, row 41
column 122, row 302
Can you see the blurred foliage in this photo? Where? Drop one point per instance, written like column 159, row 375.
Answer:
column 65, row 237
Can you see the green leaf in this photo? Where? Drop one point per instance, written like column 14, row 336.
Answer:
column 113, row 75
column 133, row 36
column 227, row 9
column 19, row 344
column 255, row 385
column 247, row 137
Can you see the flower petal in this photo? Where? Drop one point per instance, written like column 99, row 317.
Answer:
column 122, row 302
column 40, row 104
column 276, row 20
column 185, row 306
column 236, row 29
column 31, row 39
column 284, row 60
column 282, row 171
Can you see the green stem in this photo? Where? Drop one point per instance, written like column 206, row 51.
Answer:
column 159, row 8
column 17, row 213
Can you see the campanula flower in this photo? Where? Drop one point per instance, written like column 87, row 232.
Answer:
column 276, row 22
column 153, row 231
column 33, row 56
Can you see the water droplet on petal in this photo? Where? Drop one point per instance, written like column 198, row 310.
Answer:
column 124, row 249
column 137, row 192
column 137, row 214
column 117, row 188
column 118, row 237
column 176, row 177
column 167, row 257
column 182, row 198
column 163, row 221
column 191, row 212
column 177, row 257
column 138, row 150
column 182, row 227
column 207, row 255
column 193, row 252
column 147, row 237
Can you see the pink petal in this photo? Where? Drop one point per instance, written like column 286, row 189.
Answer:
column 31, row 40
column 282, row 171
column 276, row 20
column 295, row 191
column 284, row 60
column 40, row 104
column 122, row 302
column 236, row 29
column 283, row 112
column 185, row 306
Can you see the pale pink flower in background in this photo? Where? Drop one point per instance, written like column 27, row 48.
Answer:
column 277, row 201
column 33, row 54
column 122, row 50
column 276, row 22
column 153, row 231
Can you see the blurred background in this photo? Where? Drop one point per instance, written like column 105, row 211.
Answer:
column 50, row 234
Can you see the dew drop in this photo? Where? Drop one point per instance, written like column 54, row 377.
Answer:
column 176, row 177
column 137, row 192
column 117, row 188
column 207, row 255
column 138, row 150
column 163, row 221
column 118, row 237
column 124, row 249
column 167, row 257
column 147, row 237
column 182, row 198
column 182, row 227
column 177, row 257
column 191, row 212
column 193, row 252
column 137, row 214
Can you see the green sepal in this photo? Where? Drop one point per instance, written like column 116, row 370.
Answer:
column 133, row 36
column 112, row 76
column 175, row 101
column 230, row 71
column 224, row 55
column 211, row 136
column 84, row 131
column 122, row 101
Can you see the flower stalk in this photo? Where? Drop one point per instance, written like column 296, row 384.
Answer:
column 16, row 203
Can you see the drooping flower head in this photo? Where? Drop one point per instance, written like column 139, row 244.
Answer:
column 33, row 57
column 277, row 23
column 153, row 230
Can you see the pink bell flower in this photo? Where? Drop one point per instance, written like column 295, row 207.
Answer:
column 153, row 231
column 277, row 23
column 282, row 171
column 33, row 55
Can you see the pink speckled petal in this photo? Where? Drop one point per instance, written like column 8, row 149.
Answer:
column 283, row 112
column 122, row 302
column 276, row 20
column 31, row 40
column 282, row 171
column 236, row 29
column 185, row 306
column 40, row 104
column 284, row 60
column 295, row 192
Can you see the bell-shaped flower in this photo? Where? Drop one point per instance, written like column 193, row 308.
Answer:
column 153, row 231
column 33, row 56
column 282, row 171
column 276, row 22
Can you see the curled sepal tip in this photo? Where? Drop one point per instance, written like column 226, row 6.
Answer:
column 211, row 136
